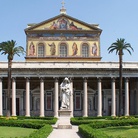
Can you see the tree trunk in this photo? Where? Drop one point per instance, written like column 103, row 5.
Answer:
column 9, row 88
column 120, row 86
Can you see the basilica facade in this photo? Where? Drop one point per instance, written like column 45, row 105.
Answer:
column 61, row 47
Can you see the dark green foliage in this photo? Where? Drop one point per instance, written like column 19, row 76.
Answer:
column 42, row 132
column 88, row 120
column 36, row 117
column 90, row 130
column 38, row 120
column 85, row 120
column 42, row 125
column 18, row 123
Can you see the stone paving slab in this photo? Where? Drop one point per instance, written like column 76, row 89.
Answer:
column 65, row 133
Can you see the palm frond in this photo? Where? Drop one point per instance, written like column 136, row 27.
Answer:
column 9, row 48
column 119, row 46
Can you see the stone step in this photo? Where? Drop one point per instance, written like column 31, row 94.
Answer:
column 64, row 126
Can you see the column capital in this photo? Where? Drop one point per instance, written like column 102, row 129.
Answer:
column 99, row 79
column 113, row 79
column 85, row 78
column 71, row 78
column 126, row 79
column 13, row 79
column 41, row 79
column 27, row 78
column 56, row 79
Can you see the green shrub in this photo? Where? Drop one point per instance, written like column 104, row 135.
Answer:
column 42, row 132
column 88, row 120
column 43, row 129
column 21, row 124
column 36, row 117
column 120, row 118
column 90, row 130
column 28, row 123
column 79, row 121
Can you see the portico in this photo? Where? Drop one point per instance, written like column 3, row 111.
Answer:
column 91, row 95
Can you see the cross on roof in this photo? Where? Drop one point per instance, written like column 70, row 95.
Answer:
column 63, row 3
column 63, row 10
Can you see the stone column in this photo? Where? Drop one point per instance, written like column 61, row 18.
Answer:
column 1, row 102
column 27, row 97
column 113, row 98
column 99, row 113
column 85, row 99
column 126, row 97
column 136, row 110
column 42, row 97
column 71, row 98
column 13, row 97
column 21, row 105
column 56, row 102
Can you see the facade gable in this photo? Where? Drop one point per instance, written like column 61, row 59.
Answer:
column 62, row 22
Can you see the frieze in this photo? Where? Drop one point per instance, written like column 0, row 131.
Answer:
column 67, row 72
column 62, row 38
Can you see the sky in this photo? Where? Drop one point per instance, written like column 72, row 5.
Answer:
column 116, row 18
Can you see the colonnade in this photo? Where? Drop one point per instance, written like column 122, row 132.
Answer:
column 56, row 97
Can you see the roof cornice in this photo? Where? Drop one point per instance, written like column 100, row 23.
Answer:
column 66, row 16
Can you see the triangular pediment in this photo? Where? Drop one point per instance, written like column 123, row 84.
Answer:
column 62, row 22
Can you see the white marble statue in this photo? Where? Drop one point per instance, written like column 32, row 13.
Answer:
column 65, row 93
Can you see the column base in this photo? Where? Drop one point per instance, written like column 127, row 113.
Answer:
column 85, row 116
column 13, row 115
column 42, row 116
column 113, row 115
column 27, row 115
column 99, row 115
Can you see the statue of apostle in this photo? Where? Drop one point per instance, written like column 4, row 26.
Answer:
column 65, row 93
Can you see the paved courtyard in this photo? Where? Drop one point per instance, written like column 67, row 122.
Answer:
column 65, row 133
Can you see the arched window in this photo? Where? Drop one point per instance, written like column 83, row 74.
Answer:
column 63, row 50
column 85, row 50
column 41, row 50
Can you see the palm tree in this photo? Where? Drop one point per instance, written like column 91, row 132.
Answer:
column 119, row 46
column 9, row 48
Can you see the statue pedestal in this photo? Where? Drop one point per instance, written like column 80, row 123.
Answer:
column 64, row 119
column 64, row 113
